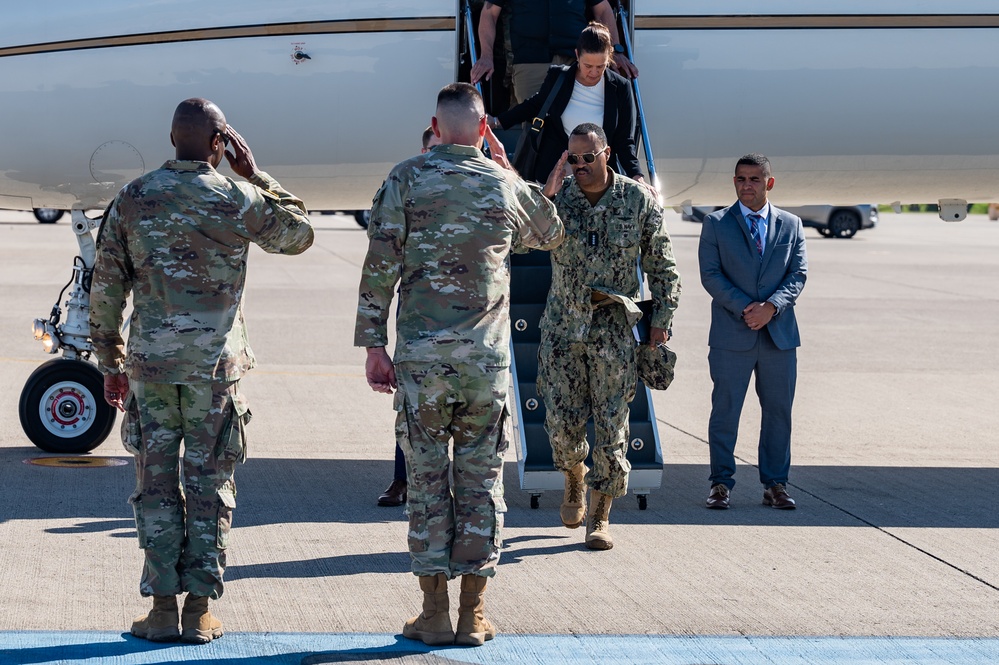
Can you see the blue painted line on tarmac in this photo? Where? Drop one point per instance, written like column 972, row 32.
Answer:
column 36, row 648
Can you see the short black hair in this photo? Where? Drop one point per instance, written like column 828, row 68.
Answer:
column 756, row 159
column 427, row 133
column 463, row 93
column 590, row 128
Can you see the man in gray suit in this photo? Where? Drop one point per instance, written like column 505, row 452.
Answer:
column 753, row 264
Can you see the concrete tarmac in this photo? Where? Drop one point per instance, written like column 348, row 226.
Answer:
column 890, row 556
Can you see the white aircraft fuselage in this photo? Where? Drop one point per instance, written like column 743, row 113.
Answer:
column 853, row 101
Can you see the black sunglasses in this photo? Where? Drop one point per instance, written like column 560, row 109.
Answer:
column 587, row 157
column 224, row 135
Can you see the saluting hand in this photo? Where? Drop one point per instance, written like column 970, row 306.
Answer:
column 556, row 177
column 240, row 157
column 496, row 150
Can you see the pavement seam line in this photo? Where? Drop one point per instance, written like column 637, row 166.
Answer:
column 856, row 517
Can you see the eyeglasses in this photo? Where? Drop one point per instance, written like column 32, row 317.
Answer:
column 587, row 157
column 224, row 135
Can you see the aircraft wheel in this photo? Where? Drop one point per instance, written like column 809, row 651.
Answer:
column 48, row 215
column 535, row 501
column 62, row 407
column 825, row 232
column 362, row 217
column 844, row 224
column 643, row 501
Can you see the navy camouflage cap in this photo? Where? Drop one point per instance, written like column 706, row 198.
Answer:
column 656, row 365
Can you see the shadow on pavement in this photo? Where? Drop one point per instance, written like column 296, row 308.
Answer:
column 275, row 491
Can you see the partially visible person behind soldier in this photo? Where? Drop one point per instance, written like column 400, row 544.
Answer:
column 177, row 239
column 429, row 139
column 441, row 227
column 395, row 493
column 543, row 33
column 587, row 355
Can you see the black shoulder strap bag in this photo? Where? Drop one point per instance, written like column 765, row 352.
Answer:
column 527, row 149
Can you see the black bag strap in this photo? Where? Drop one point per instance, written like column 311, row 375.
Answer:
column 538, row 124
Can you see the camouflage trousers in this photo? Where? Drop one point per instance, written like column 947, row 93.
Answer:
column 595, row 378
column 183, row 502
column 453, row 529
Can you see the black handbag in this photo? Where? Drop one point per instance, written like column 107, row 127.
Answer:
column 526, row 155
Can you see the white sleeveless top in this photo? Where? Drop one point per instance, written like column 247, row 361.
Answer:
column 585, row 105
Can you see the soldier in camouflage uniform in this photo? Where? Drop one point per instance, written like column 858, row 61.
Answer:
column 442, row 226
column 178, row 239
column 587, row 353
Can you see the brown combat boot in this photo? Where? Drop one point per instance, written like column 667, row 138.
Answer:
column 573, row 508
column 597, row 535
column 474, row 629
column 160, row 625
column 199, row 625
column 433, row 625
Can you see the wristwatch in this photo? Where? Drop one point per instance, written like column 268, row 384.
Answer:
column 619, row 48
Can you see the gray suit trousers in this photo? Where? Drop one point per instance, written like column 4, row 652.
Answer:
column 776, row 374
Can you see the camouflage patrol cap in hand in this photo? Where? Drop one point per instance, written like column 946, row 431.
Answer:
column 656, row 365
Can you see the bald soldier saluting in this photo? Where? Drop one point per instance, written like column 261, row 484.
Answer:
column 177, row 239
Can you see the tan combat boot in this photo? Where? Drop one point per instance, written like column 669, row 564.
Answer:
column 433, row 625
column 597, row 535
column 474, row 629
column 160, row 625
column 573, row 508
column 199, row 625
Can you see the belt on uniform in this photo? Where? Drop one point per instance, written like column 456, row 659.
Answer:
column 599, row 299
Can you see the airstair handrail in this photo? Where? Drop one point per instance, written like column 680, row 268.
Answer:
column 470, row 37
column 643, row 125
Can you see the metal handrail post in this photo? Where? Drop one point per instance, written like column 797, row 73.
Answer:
column 470, row 38
column 643, row 126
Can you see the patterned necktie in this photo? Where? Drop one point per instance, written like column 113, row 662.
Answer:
column 757, row 238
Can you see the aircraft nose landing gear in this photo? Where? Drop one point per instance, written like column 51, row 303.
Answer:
column 62, row 407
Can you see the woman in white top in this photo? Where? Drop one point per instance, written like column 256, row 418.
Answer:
column 588, row 92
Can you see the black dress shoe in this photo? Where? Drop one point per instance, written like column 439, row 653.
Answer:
column 777, row 497
column 395, row 495
column 718, row 497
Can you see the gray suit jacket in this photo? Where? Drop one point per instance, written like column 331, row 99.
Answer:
column 734, row 276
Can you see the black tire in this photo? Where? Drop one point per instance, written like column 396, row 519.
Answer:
column 643, row 501
column 825, row 232
column 62, row 407
column 48, row 215
column 844, row 223
column 362, row 217
column 535, row 501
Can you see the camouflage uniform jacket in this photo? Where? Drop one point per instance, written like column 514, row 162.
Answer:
column 601, row 252
column 178, row 239
column 442, row 225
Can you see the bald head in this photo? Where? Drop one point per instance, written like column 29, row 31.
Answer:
column 460, row 116
column 197, row 129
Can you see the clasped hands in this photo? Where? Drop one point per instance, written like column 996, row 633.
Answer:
column 758, row 314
